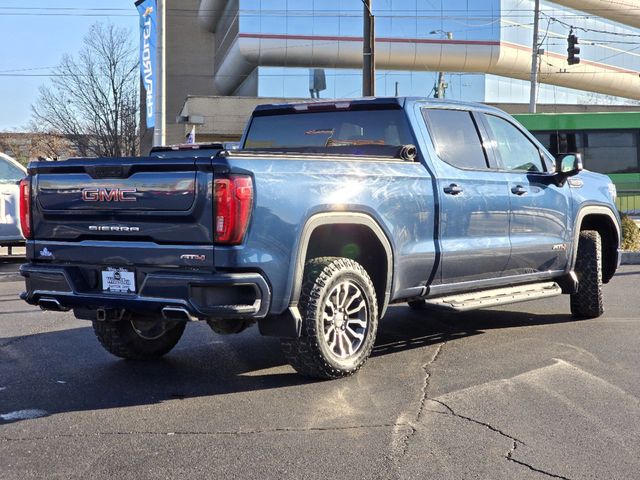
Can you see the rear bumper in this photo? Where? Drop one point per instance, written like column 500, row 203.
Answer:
column 201, row 295
column 12, row 241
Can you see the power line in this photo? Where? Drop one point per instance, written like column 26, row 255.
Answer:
column 586, row 29
column 392, row 13
column 356, row 7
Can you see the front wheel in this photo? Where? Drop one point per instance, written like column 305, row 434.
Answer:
column 339, row 319
column 138, row 338
column 587, row 302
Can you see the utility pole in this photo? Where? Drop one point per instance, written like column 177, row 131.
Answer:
column 160, row 104
column 534, row 59
column 442, row 84
column 368, row 52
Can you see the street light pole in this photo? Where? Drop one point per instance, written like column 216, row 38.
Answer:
column 534, row 59
column 368, row 52
column 442, row 84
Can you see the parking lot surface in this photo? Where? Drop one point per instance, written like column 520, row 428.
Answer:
column 518, row 392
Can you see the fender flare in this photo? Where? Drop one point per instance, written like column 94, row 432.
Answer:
column 340, row 218
column 594, row 210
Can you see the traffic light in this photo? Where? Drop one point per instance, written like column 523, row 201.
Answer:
column 572, row 50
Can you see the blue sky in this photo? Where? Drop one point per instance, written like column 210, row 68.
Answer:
column 34, row 35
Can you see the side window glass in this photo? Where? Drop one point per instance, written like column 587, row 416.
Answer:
column 456, row 138
column 514, row 148
column 10, row 173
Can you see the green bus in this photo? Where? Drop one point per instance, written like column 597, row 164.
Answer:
column 609, row 143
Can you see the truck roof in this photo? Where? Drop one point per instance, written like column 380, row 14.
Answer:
column 366, row 103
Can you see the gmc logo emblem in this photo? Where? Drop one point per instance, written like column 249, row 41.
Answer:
column 109, row 194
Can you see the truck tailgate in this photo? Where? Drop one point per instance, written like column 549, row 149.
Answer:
column 165, row 201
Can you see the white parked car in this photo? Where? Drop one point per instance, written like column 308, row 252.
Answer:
column 11, row 172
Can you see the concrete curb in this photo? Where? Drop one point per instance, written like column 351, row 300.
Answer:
column 10, row 277
column 630, row 258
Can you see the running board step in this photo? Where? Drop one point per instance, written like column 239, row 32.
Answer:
column 496, row 296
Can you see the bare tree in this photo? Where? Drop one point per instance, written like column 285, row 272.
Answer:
column 93, row 98
column 48, row 145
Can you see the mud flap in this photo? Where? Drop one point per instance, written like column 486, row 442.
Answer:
column 286, row 325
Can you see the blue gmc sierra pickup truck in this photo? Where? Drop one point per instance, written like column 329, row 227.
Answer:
column 329, row 212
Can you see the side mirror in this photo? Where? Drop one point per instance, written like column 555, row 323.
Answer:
column 568, row 164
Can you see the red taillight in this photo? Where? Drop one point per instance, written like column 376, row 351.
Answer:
column 25, row 207
column 233, row 197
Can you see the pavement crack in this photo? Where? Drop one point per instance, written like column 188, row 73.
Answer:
column 530, row 467
column 427, row 380
column 478, row 422
column 400, row 445
column 514, row 445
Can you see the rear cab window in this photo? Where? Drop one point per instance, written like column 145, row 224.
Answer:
column 329, row 129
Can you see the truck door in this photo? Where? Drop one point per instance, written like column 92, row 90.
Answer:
column 473, row 200
column 539, row 225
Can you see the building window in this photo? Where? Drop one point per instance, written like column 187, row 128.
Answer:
column 603, row 151
column 613, row 151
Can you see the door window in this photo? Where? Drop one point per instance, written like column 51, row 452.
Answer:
column 516, row 151
column 455, row 138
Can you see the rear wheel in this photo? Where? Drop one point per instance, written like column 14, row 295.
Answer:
column 339, row 319
column 138, row 338
column 587, row 302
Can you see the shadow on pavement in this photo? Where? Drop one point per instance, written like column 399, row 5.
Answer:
column 64, row 371
column 632, row 272
column 405, row 329
column 9, row 266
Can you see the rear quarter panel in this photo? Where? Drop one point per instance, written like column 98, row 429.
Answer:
column 397, row 195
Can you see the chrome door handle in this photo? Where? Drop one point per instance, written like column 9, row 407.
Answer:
column 519, row 190
column 453, row 189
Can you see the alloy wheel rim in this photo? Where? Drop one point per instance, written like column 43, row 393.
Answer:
column 345, row 320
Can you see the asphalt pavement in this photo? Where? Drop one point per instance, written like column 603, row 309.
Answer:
column 518, row 392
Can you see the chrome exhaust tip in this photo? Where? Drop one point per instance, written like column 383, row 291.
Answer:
column 51, row 304
column 177, row 314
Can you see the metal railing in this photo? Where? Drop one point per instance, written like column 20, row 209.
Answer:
column 629, row 201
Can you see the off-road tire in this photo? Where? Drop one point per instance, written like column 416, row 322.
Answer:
column 121, row 339
column 311, row 354
column 587, row 302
